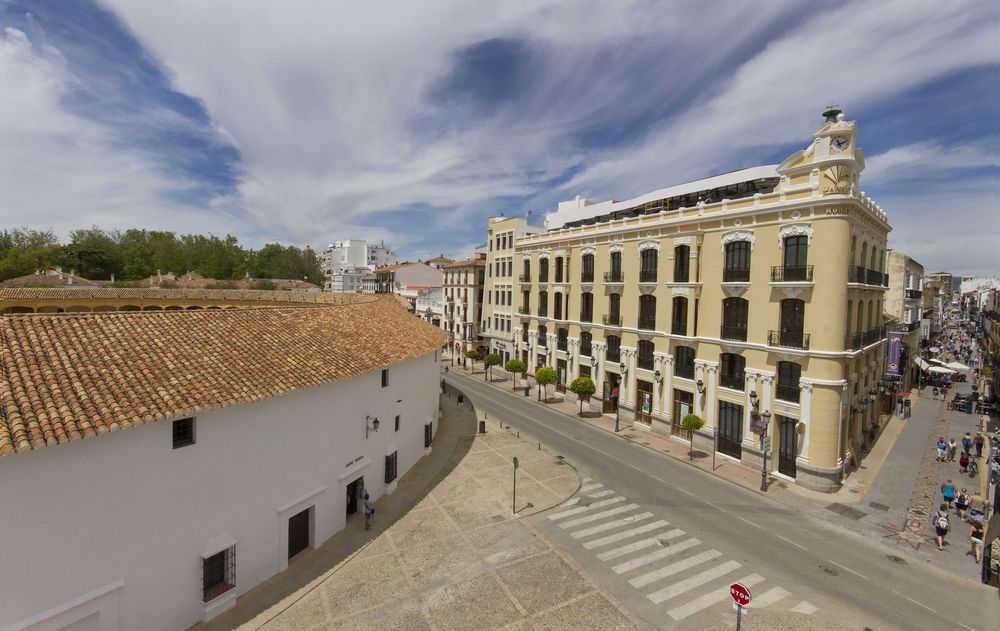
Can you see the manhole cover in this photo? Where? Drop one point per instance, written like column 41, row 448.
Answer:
column 896, row 559
column 879, row 506
column 829, row 570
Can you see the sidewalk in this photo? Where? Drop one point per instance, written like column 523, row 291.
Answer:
column 893, row 484
column 445, row 539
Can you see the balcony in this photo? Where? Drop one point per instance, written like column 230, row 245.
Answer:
column 524, row 278
column 613, row 320
column 543, row 313
column 912, row 293
column 906, row 327
column 863, row 276
column 647, row 276
column 523, row 311
column 857, row 341
column 729, row 332
column 543, row 278
column 792, row 274
column 647, row 323
column 587, row 278
column 614, row 277
column 788, row 393
column 586, row 316
column 733, row 382
column 788, row 339
column 856, row 274
column 874, row 335
column 873, row 277
column 735, row 275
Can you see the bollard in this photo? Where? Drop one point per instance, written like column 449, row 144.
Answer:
column 519, row 434
column 539, row 446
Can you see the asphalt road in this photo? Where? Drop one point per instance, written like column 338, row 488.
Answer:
column 848, row 578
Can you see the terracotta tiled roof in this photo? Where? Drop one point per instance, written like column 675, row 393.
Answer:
column 466, row 263
column 16, row 294
column 50, row 278
column 71, row 376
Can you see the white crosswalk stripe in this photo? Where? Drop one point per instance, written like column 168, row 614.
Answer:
column 592, row 518
column 691, row 582
column 804, row 607
column 674, row 568
column 584, row 509
column 601, row 494
column 655, row 555
column 769, row 597
column 641, row 544
column 625, row 534
column 610, row 525
column 587, row 488
column 709, row 599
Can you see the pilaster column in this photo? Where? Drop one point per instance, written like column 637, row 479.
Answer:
column 658, row 361
column 598, row 368
column 699, row 399
column 805, row 414
column 750, row 386
column 533, row 355
column 711, row 407
column 550, row 347
column 668, row 389
column 767, row 404
column 631, row 372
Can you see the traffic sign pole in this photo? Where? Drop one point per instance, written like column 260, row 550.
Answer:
column 741, row 598
column 739, row 614
column 513, row 501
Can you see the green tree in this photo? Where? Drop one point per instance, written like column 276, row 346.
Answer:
column 514, row 366
column 96, row 253
column 489, row 362
column 583, row 387
column 264, row 285
column 544, row 377
column 474, row 356
column 691, row 424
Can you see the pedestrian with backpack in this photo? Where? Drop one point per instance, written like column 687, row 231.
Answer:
column 962, row 503
column 967, row 442
column 941, row 525
column 369, row 512
column 948, row 491
column 942, row 449
column 979, row 441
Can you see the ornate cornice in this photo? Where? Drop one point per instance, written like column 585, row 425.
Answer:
column 738, row 235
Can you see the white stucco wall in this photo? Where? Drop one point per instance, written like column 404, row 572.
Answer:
column 115, row 524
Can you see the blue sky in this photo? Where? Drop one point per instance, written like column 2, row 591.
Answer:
column 412, row 122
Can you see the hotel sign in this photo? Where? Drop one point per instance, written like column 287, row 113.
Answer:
column 893, row 353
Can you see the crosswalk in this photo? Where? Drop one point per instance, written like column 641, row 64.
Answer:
column 669, row 567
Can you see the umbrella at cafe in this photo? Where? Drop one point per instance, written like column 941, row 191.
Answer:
column 957, row 366
column 941, row 370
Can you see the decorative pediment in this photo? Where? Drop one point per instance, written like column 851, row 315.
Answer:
column 682, row 241
column 526, row 257
column 649, row 245
column 794, row 230
column 544, row 254
column 680, row 291
column 837, row 179
column 615, row 248
column 586, row 251
column 738, row 235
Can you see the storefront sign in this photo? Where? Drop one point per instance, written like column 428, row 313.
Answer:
column 647, row 402
column 893, row 353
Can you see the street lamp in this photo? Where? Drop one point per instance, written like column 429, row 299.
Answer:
column 658, row 377
column 766, row 416
column 371, row 425
column 618, row 407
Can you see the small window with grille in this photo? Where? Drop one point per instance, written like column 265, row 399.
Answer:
column 390, row 467
column 385, row 377
column 218, row 574
column 183, row 430
column 397, row 422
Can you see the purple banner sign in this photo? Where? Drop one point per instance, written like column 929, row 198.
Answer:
column 893, row 353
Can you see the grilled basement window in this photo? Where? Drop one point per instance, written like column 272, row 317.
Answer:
column 183, row 432
column 385, row 377
column 218, row 574
column 390, row 467
column 428, row 435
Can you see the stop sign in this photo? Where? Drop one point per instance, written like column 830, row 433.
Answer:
column 740, row 594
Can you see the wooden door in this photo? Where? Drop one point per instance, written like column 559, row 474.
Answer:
column 298, row 533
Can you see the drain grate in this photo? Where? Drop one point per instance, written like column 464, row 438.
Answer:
column 846, row 511
column 829, row 570
column 879, row 506
column 895, row 559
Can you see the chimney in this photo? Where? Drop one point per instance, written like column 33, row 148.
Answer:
column 72, row 273
column 112, row 279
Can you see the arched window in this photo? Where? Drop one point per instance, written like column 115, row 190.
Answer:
column 526, row 271
column 679, row 317
column 734, row 319
column 543, row 335
column 586, row 307
column 586, row 340
column 732, row 369
column 562, row 339
column 614, row 352
column 615, row 275
column 557, row 304
column 587, row 269
column 614, row 317
column 647, row 312
column 644, row 357
column 648, row 260
column 559, row 269
column 792, row 323
column 684, row 362
column 682, row 264
column 789, row 374
column 737, row 263
column 543, row 304
column 543, row 270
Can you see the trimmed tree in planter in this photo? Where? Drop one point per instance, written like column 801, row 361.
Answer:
column 583, row 387
column 691, row 424
column 490, row 361
column 545, row 377
column 514, row 367
column 474, row 356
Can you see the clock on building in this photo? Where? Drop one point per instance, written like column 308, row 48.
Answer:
column 840, row 143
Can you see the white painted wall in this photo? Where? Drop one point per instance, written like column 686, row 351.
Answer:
column 78, row 518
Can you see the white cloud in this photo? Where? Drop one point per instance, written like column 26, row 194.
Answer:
column 929, row 158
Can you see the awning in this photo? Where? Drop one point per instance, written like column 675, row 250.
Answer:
column 941, row 370
column 921, row 364
column 957, row 366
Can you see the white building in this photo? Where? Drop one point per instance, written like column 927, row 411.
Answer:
column 348, row 281
column 355, row 255
column 250, row 431
column 379, row 255
column 430, row 305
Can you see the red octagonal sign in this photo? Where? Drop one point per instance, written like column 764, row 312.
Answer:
column 740, row 594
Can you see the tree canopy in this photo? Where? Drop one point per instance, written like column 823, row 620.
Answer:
column 135, row 254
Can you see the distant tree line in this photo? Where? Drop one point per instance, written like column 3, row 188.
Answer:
column 136, row 254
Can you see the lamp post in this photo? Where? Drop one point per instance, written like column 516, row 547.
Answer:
column 766, row 416
column 618, row 407
column 371, row 425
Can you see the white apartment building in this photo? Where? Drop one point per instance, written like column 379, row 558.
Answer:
column 348, row 281
column 463, row 303
column 352, row 254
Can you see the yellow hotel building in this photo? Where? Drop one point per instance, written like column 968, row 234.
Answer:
column 753, row 299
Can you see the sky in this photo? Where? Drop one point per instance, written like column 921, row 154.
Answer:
column 412, row 122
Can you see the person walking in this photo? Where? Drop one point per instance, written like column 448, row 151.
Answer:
column 948, row 493
column 976, row 535
column 942, row 449
column 967, row 442
column 963, row 462
column 941, row 525
column 962, row 503
column 979, row 441
column 952, row 450
column 369, row 512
